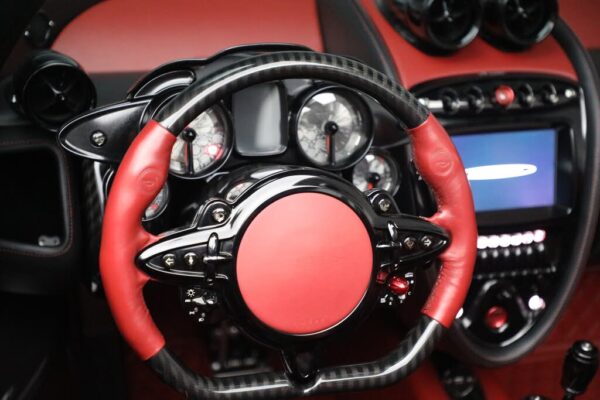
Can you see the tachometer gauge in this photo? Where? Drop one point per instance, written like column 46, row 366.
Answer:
column 333, row 128
column 376, row 170
column 158, row 205
column 202, row 146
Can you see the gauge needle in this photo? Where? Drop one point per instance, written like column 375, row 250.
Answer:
column 330, row 144
column 330, row 130
column 190, row 158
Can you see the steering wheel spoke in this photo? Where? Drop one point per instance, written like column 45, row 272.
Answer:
column 189, row 255
column 410, row 240
column 300, row 365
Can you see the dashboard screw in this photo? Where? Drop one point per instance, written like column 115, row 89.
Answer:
column 98, row 139
column 384, row 205
column 219, row 214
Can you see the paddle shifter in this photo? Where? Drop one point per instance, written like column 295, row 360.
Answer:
column 580, row 366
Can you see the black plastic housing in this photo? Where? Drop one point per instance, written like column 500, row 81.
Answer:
column 50, row 89
column 434, row 26
column 512, row 25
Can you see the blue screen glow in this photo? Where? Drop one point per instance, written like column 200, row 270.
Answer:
column 510, row 170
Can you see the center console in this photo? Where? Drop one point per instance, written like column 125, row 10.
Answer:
column 520, row 138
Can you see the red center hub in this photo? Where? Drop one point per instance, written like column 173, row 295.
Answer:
column 304, row 263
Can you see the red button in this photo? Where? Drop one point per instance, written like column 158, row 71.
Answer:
column 382, row 276
column 505, row 95
column 496, row 318
column 399, row 286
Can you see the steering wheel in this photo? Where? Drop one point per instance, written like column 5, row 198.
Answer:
column 300, row 256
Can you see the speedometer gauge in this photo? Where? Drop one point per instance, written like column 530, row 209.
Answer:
column 333, row 128
column 376, row 171
column 202, row 146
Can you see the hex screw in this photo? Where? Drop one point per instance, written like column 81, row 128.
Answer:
column 98, row 138
column 219, row 214
column 384, row 205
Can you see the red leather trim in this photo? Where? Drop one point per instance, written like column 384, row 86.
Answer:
column 440, row 166
column 479, row 57
column 139, row 35
column 582, row 17
column 304, row 263
column 138, row 180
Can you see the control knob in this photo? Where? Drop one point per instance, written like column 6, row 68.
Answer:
column 450, row 101
column 504, row 95
column 526, row 96
column 550, row 94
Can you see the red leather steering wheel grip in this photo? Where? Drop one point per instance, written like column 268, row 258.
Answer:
column 440, row 166
column 138, row 180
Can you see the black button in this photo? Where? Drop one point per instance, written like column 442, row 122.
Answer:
column 426, row 242
column 190, row 259
column 168, row 260
column 409, row 243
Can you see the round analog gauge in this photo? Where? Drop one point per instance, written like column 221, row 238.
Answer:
column 158, row 205
column 333, row 128
column 375, row 171
column 202, row 146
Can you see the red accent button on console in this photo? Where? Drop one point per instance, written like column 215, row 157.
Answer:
column 496, row 318
column 399, row 285
column 505, row 95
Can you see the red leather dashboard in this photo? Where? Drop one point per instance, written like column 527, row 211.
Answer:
column 582, row 16
column 140, row 35
column 124, row 36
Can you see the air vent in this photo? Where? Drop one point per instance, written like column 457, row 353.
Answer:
column 435, row 26
column 50, row 89
column 518, row 24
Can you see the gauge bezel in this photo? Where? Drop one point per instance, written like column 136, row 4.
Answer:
column 361, row 105
column 230, row 137
column 387, row 156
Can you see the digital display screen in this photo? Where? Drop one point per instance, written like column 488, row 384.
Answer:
column 510, row 170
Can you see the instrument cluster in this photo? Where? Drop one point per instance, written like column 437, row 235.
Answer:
column 294, row 122
column 330, row 128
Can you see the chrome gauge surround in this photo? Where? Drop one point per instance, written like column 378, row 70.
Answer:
column 200, row 149
column 346, row 132
column 384, row 170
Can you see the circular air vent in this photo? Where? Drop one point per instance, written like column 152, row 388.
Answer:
column 50, row 88
column 518, row 24
column 436, row 26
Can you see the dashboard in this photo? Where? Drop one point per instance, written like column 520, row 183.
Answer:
column 515, row 110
